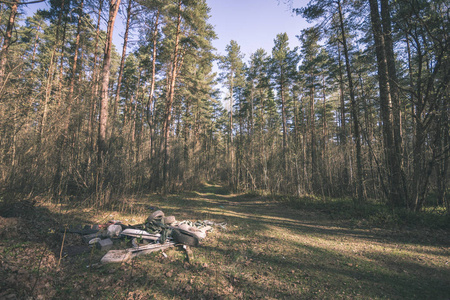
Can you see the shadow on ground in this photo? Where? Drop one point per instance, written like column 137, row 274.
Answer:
column 268, row 251
column 32, row 263
column 311, row 256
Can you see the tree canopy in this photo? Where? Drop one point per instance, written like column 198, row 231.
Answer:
column 358, row 108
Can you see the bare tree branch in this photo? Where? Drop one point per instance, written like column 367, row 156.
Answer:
column 21, row 3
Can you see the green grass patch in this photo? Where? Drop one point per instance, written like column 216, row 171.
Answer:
column 272, row 248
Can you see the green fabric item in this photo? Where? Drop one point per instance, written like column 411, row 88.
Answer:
column 157, row 226
column 165, row 234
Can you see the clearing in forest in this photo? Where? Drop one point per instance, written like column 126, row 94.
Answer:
column 268, row 251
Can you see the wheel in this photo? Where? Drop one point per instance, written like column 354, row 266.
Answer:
column 155, row 215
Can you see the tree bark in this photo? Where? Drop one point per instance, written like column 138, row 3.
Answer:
column 399, row 176
column 312, row 130
column 230, row 136
column 354, row 108
column 59, row 98
column 343, row 130
column 392, row 165
column 68, row 120
column 36, row 42
column 122, row 63
column 75, row 58
column 169, row 103
column 150, row 104
column 7, row 43
column 104, row 102
column 284, row 119
column 49, row 84
column 94, row 81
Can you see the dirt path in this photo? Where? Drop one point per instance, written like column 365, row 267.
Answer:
column 293, row 253
column 268, row 251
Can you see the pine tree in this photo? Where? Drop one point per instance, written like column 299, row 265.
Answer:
column 232, row 65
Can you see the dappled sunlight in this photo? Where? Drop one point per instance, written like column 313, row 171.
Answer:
column 266, row 251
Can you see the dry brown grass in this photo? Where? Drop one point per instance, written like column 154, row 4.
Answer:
column 269, row 251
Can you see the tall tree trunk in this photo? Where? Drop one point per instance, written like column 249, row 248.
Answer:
column 94, row 81
column 36, row 42
column 394, row 174
column 104, row 102
column 399, row 176
column 7, row 43
column 169, row 103
column 325, row 163
column 312, row 130
column 283, row 118
column 356, row 131
column 122, row 63
column 75, row 59
column 49, row 83
column 442, row 147
column 443, row 179
column 1, row 22
column 136, row 137
column 150, row 104
column 59, row 98
column 68, row 120
column 230, row 135
column 343, row 130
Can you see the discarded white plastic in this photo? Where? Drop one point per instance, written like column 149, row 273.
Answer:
column 117, row 256
column 140, row 234
column 94, row 241
column 184, row 226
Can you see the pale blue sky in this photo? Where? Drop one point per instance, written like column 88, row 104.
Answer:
column 254, row 24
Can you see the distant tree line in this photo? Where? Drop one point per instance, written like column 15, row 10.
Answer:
column 360, row 109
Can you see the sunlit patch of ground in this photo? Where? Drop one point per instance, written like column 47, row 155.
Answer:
column 268, row 251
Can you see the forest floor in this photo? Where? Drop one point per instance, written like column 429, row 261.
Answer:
column 268, row 251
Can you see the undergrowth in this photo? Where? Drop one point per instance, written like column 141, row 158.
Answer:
column 267, row 250
column 371, row 213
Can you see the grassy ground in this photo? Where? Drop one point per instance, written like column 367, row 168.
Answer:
column 269, row 251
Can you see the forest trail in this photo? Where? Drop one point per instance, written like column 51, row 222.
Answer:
column 272, row 251
column 268, row 251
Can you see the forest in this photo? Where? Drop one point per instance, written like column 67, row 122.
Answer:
column 316, row 170
column 359, row 109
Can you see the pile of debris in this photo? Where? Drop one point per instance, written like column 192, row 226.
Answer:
column 159, row 232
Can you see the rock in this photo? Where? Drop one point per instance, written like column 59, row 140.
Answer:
column 87, row 238
column 116, row 256
column 105, row 244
